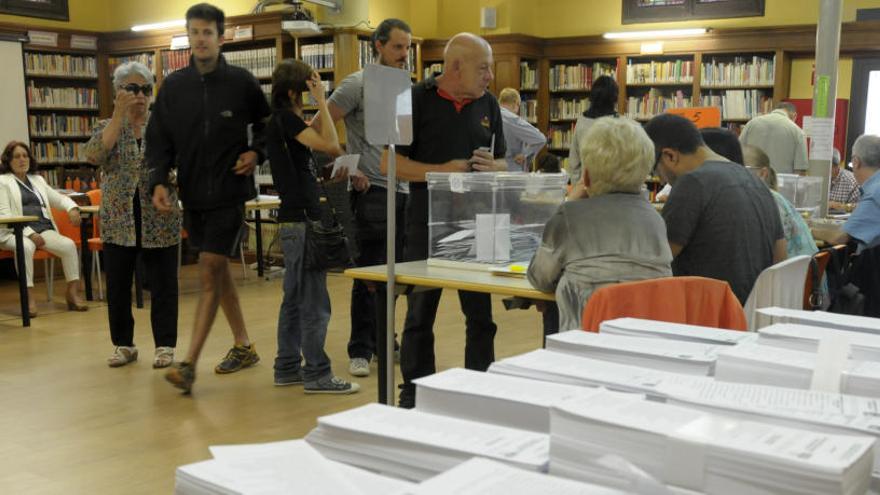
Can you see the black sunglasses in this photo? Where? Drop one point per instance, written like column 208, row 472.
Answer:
column 146, row 89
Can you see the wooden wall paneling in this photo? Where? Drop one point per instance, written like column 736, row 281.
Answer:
column 695, row 88
column 782, row 77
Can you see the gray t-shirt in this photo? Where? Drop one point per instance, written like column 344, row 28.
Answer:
column 349, row 97
column 728, row 223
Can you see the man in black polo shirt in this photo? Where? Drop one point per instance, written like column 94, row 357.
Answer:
column 453, row 116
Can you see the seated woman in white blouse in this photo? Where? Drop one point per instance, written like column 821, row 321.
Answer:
column 608, row 232
column 24, row 193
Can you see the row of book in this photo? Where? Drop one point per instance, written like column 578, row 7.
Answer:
column 655, row 102
column 528, row 109
column 561, row 136
column 173, row 60
column 58, row 151
column 739, row 103
column 567, row 109
column 54, row 64
column 672, row 71
column 739, row 72
column 528, row 76
column 54, row 125
column 260, row 61
column 578, row 76
column 49, row 97
column 318, row 55
column 432, row 69
column 146, row 59
column 365, row 55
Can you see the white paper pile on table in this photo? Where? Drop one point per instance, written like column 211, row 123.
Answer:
column 480, row 476
column 864, row 346
column 569, row 369
column 769, row 365
column 415, row 445
column 667, row 355
column 694, row 450
column 823, row 319
column 492, row 398
column 637, row 327
column 279, row 468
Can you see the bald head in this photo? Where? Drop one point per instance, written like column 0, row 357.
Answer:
column 467, row 61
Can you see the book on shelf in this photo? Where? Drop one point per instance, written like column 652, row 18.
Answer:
column 561, row 136
column 173, row 60
column 54, row 125
column 318, row 55
column 578, row 76
column 47, row 152
column 568, row 108
column 259, row 61
column 741, row 71
column 528, row 109
column 655, row 102
column 671, row 71
column 432, row 69
column 528, row 76
column 51, row 97
column 114, row 61
column 55, row 64
column 739, row 103
column 365, row 55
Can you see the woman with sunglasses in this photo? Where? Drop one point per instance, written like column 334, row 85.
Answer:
column 130, row 225
column 24, row 192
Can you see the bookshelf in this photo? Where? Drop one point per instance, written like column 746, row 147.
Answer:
column 741, row 84
column 657, row 83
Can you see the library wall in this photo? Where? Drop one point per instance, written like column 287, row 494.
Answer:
column 802, row 78
column 88, row 15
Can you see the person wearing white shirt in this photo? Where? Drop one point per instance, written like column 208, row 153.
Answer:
column 523, row 139
column 777, row 135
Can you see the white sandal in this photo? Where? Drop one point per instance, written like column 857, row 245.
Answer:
column 164, row 357
column 122, row 355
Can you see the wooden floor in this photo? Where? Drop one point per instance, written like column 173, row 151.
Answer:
column 72, row 425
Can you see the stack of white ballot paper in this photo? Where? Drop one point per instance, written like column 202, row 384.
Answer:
column 769, row 365
column 667, row 355
column 279, row 468
column 697, row 451
column 637, row 327
column 415, row 445
column 485, row 477
column 564, row 368
column 823, row 319
column 493, row 398
column 863, row 346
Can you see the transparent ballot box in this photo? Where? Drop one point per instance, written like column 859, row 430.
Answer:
column 489, row 218
column 805, row 193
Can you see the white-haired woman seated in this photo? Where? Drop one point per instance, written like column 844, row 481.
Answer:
column 610, row 233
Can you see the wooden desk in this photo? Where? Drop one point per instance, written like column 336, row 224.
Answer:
column 256, row 205
column 18, row 224
column 413, row 275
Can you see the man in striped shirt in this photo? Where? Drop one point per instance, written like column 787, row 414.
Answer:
column 844, row 188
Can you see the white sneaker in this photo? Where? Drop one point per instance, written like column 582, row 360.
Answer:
column 359, row 367
column 122, row 355
column 164, row 357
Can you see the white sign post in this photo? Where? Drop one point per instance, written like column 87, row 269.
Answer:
column 388, row 121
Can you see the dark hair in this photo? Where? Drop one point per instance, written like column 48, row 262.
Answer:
column 383, row 33
column 289, row 74
column 603, row 97
column 548, row 163
column 207, row 12
column 724, row 142
column 673, row 131
column 6, row 157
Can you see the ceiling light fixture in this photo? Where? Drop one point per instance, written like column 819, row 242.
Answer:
column 666, row 33
column 159, row 25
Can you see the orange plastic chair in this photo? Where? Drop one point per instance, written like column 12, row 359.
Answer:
column 95, row 242
column 48, row 267
column 822, row 258
column 690, row 300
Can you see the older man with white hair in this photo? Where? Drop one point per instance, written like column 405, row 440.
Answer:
column 864, row 224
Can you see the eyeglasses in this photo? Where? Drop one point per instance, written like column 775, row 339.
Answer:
column 146, row 89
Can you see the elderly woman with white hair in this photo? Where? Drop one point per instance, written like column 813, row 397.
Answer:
column 130, row 225
column 610, row 233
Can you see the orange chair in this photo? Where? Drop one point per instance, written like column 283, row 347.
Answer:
column 691, row 300
column 95, row 243
column 822, row 258
column 48, row 267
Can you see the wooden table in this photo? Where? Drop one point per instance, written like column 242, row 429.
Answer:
column 418, row 275
column 18, row 224
column 256, row 205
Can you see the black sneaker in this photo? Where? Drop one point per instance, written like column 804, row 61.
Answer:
column 331, row 385
column 238, row 358
column 182, row 375
column 286, row 381
column 407, row 399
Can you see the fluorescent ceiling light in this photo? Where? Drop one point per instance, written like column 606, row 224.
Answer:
column 159, row 25
column 666, row 33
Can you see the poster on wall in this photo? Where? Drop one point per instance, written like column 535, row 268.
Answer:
column 46, row 9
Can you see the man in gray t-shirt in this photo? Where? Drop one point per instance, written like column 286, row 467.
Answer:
column 391, row 41
column 721, row 221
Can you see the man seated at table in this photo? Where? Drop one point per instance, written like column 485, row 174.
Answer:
column 610, row 233
column 844, row 192
column 863, row 225
column 721, row 220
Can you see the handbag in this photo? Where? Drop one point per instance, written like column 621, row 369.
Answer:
column 327, row 246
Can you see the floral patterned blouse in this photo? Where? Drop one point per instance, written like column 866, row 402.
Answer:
column 123, row 171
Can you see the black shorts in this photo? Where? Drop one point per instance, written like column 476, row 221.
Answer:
column 217, row 231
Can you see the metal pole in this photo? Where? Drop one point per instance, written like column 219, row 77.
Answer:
column 390, row 258
column 825, row 87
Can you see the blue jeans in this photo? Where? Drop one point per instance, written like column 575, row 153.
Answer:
column 304, row 314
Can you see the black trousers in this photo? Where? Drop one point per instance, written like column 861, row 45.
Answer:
column 370, row 230
column 417, row 346
column 160, row 266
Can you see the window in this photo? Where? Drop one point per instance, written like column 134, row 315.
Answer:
column 636, row 11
